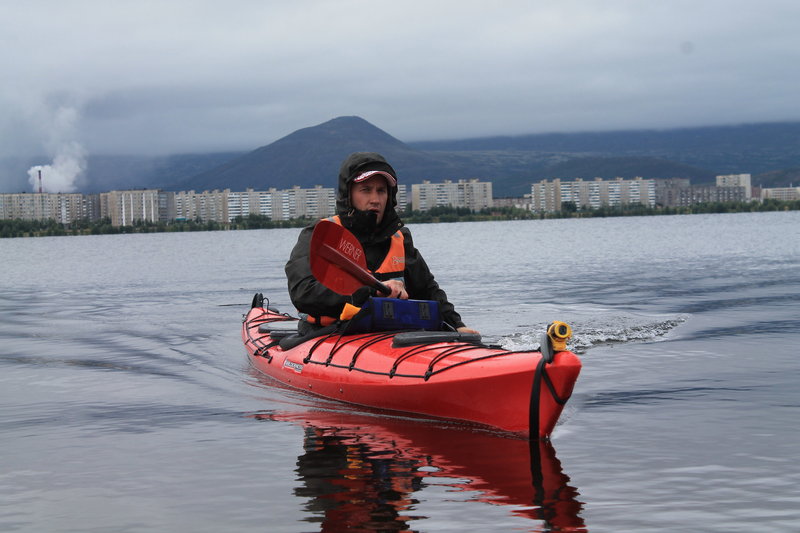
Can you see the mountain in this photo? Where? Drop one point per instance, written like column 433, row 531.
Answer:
column 311, row 156
column 106, row 173
column 744, row 148
column 789, row 177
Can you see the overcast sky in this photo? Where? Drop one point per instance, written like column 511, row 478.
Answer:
column 155, row 77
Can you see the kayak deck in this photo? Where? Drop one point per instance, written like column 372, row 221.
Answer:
column 453, row 379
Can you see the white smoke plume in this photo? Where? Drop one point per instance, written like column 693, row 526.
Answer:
column 69, row 157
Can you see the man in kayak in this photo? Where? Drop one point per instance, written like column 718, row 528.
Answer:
column 365, row 203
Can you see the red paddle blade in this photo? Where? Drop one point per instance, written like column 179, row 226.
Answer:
column 338, row 261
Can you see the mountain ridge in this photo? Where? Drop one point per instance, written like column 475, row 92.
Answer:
column 311, row 156
column 307, row 157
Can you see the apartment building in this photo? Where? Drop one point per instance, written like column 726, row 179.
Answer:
column 678, row 192
column 737, row 180
column 472, row 194
column 204, row 206
column 241, row 204
column 669, row 191
column 318, row 202
column 785, row 194
column 402, row 198
column 523, row 202
column 703, row 194
column 61, row 207
column 127, row 207
column 549, row 195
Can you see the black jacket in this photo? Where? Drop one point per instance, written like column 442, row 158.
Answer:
column 311, row 297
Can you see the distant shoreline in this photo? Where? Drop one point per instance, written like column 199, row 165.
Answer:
column 17, row 228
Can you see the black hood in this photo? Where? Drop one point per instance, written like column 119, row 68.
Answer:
column 355, row 164
column 352, row 166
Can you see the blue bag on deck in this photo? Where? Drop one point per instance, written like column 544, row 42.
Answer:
column 391, row 314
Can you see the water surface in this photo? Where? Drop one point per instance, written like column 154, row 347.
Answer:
column 129, row 405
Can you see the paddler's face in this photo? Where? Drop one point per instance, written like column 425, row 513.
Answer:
column 370, row 195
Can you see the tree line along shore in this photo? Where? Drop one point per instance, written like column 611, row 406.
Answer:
column 43, row 228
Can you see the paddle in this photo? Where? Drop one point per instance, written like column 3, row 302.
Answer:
column 338, row 261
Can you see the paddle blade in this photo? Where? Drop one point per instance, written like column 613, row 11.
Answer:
column 338, row 260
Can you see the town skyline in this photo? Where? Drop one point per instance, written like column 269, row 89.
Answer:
column 127, row 207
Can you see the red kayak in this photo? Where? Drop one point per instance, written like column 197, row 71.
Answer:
column 431, row 373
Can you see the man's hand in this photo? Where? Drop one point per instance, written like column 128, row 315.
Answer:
column 398, row 289
column 465, row 329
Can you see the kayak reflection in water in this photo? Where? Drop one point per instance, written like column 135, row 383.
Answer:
column 365, row 203
column 353, row 488
column 362, row 473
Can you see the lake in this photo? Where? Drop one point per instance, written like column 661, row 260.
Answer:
column 128, row 403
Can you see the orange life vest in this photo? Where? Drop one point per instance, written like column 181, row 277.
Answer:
column 391, row 267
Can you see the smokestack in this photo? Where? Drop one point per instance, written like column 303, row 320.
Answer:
column 40, row 182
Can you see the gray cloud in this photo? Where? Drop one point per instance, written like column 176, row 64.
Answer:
column 186, row 76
